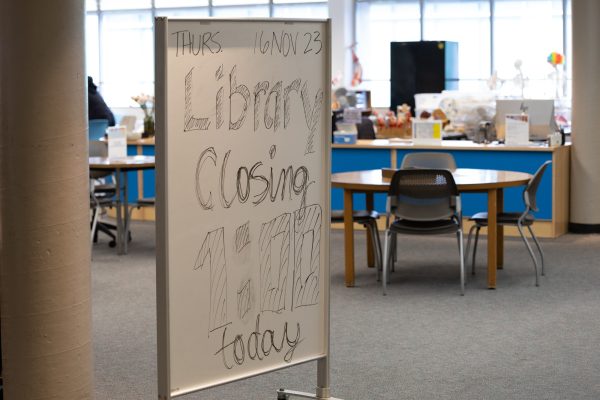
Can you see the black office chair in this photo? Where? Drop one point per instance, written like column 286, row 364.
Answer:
column 368, row 219
column 365, row 130
column 518, row 219
column 97, row 129
column 423, row 202
column 428, row 160
column 102, row 194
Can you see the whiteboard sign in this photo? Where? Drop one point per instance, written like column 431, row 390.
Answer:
column 243, row 181
column 516, row 131
column 117, row 141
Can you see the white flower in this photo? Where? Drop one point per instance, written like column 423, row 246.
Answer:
column 146, row 103
column 518, row 64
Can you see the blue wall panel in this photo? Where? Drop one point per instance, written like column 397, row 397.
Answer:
column 149, row 176
column 345, row 160
column 132, row 190
column 349, row 159
column 504, row 160
column 362, row 159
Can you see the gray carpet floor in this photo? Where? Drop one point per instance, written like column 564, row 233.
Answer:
column 422, row 341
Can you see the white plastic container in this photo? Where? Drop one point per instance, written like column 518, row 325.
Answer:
column 117, row 141
column 426, row 102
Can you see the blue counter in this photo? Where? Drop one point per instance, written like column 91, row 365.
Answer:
column 141, row 184
column 552, row 193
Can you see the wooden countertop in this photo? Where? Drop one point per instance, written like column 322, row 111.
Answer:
column 445, row 145
column 141, row 142
column 407, row 144
column 136, row 142
column 467, row 179
column 124, row 163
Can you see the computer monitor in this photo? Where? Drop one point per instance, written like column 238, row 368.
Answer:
column 363, row 99
column 540, row 111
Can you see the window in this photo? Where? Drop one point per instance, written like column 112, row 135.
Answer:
column 92, row 45
column 528, row 31
column 126, row 56
column 124, row 4
column 491, row 36
column 196, row 12
column 120, row 38
column 377, row 24
column 180, row 3
column 468, row 23
column 312, row 10
column 258, row 11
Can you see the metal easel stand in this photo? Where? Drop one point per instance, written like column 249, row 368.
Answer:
column 322, row 385
column 322, row 394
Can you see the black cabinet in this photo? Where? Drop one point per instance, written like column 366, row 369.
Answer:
column 421, row 67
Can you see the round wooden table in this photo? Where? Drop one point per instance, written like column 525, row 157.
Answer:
column 121, row 165
column 487, row 181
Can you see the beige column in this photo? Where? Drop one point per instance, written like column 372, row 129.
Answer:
column 44, row 225
column 585, row 156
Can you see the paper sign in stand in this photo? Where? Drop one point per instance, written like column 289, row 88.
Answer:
column 117, row 141
column 352, row 115
column 516, row 129
column 427, row 132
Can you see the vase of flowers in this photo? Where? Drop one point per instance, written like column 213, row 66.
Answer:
column 146, row 103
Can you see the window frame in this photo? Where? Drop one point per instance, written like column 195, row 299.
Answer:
column 565, row 49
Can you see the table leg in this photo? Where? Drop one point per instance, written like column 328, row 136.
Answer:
column 140, row 175
column 492, row 237
column 500, row 230
column 348, row 238
column 126, row 216
column 119, row 215
column 370, row 257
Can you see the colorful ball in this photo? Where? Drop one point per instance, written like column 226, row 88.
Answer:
column 556, row 58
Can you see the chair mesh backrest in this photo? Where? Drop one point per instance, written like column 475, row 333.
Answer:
column 423, row 194
column 97, row 128
column 434, row 160
column 529, row 194
column 98, row 149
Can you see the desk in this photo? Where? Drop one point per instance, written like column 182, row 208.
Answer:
column 120, row 166
column 488, row 181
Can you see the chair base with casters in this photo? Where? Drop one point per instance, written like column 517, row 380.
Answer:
column 139, row 203
column 101, row 196
column 102, row 190
column 368, row 219
column 104, row 227
column 99, row 226
column 518, row 219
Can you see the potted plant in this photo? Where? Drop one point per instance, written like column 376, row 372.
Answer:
column 146, row 103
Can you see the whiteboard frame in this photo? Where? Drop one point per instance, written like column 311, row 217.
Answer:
column 165, row 391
